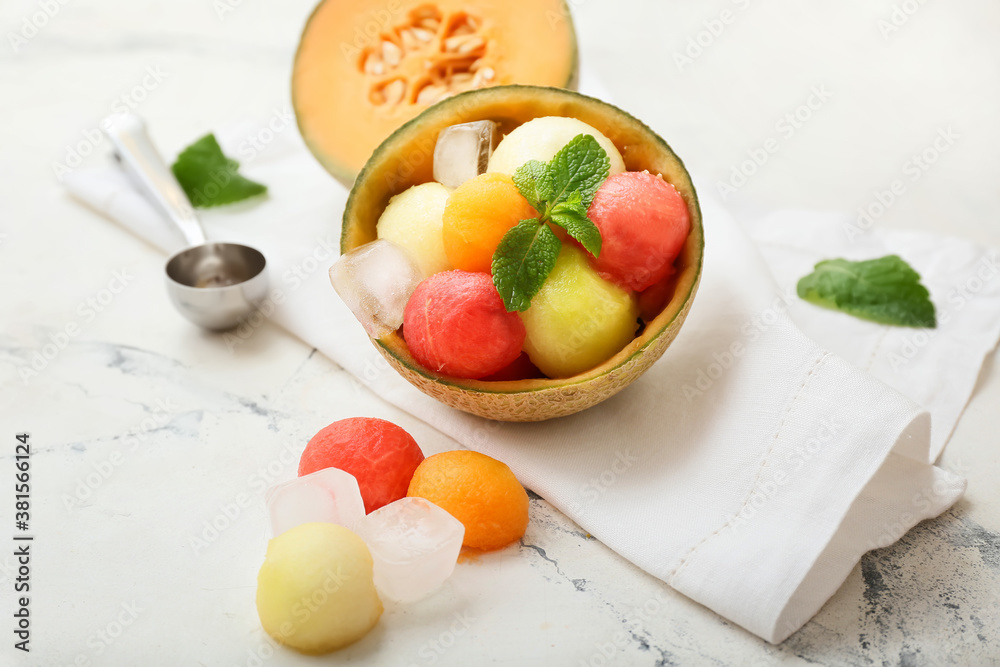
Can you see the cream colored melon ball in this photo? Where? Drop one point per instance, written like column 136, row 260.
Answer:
column 541, row 138
column 413, row 221
column 315, row 590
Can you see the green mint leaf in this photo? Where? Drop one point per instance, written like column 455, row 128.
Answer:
column 572, row 216
column 885, row 290
column 523, row 260
column 532, row 181
column 561, row 191
column 209, row 178
column 580, row 166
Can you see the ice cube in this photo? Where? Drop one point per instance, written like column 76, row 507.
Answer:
column 415, row 546
column 329, row 496
column 375, row 281
column 463, row 151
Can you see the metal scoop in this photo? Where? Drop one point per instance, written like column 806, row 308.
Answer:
column 215, row 285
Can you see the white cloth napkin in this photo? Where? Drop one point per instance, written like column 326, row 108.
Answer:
column 750, row 468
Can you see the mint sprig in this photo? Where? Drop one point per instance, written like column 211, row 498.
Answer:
column 209, row 178
column 885, row 290
column 523, row 260
column 561, row 191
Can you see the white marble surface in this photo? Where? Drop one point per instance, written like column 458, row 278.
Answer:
column 188, row 432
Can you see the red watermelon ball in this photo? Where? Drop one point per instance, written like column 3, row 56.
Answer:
column 644, row 222
column 381, row 455
column 455, row 324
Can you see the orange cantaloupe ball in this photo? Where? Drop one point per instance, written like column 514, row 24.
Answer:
column 477, row 215
column 479, row 491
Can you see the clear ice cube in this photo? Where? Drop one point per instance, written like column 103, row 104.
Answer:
column 375, row 281
column 328, row 496
column 463, row 151
column 415, row 546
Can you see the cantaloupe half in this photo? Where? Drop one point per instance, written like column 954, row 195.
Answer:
column 364, row 68
column 403, row 160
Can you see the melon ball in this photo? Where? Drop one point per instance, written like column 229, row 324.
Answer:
column 644, row 222
column 577, row 320
column 381, row 455
column 541, row 138
column 413, row 221
column 456, row 324
column 478, row 214
column 315, row 590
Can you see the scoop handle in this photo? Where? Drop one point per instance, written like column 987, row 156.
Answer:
column 140, row 159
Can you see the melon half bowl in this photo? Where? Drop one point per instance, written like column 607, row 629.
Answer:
column 405, row 159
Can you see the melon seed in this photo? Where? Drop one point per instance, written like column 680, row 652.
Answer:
column 391, row 53
column 422, row 35
column 457, row 65
column 394, row 91
column 373, row 64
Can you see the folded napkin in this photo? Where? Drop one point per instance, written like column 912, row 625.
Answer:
column 752, row 466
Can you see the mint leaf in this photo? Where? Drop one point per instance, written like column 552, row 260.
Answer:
column 523, row 260
column 572, row 216
column 580, row 166
column 531, row 179
column 885, row 290
column 561, row 192
column 209, row 178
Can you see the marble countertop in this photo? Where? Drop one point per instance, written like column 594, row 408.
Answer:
column 153, row 441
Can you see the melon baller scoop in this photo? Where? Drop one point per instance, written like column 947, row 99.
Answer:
column 215, row 285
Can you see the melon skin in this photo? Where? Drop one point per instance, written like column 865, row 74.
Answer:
column 540, row 139
column 577, row 320
column 413, row 220
column 331, row 93
column 391, row 170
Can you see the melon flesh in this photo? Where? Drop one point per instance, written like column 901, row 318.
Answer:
column 577, row 320
column 413, row 221
column 540, row 139
column 316, row 589
column 363, row 69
